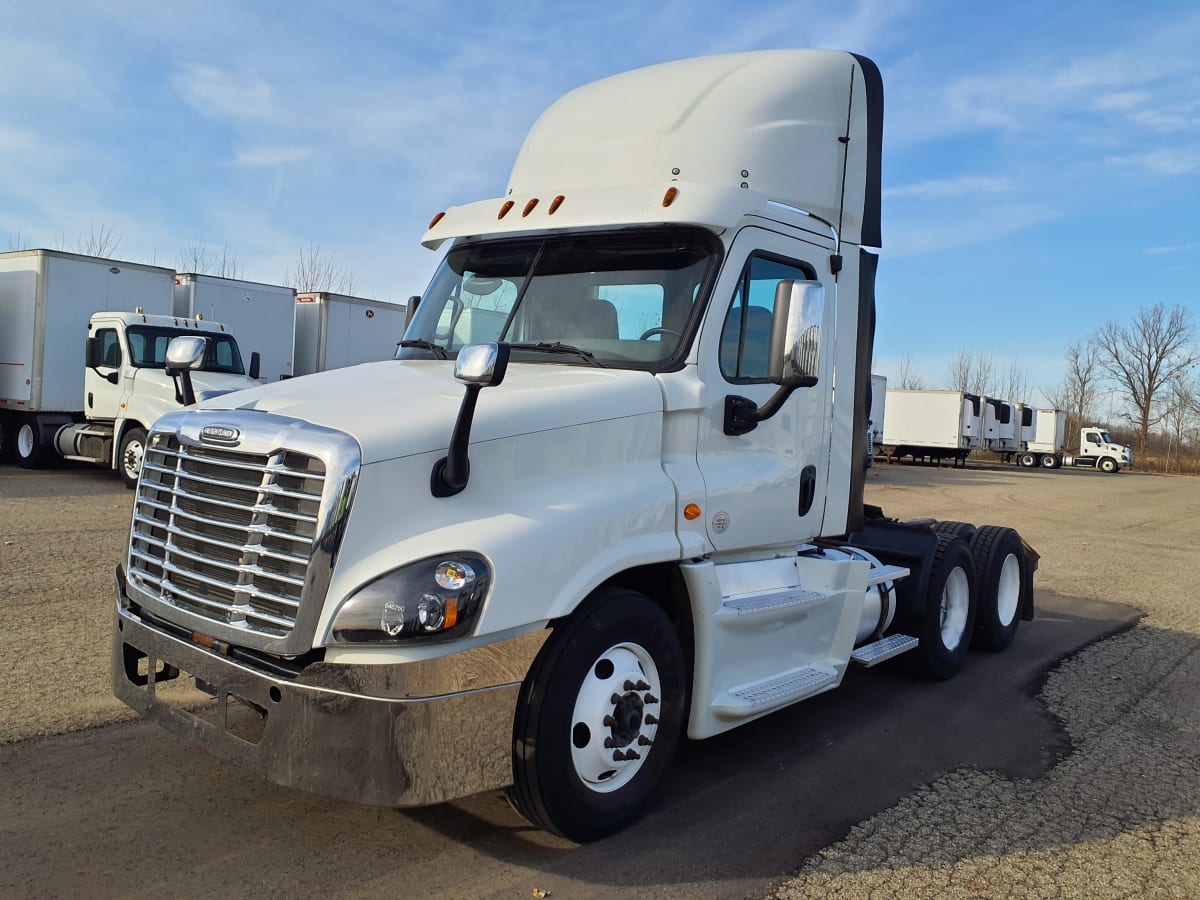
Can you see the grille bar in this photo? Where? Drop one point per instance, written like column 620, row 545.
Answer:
column 269, row 490
column 226, row 545
column 221, row 523
column 268, row 469
column 253, row 593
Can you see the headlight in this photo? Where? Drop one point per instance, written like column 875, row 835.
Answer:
column 433, row 599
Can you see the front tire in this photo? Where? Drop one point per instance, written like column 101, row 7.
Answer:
column 1108, row 464
column 129, row 459
column 599, row 717
column 1003, row 578
column 949, row 617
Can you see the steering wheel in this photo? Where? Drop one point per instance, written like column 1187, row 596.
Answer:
column 651, row 332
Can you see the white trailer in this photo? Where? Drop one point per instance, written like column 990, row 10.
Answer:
column 932, row 425
column 1000, row 426
column 82, row 347
column 337, row 330
column 878, row 411
column 1045, row 437
column 633, row 512
column 263, row 316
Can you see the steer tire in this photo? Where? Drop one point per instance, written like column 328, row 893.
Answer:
column 131, row 455
column 948, row 621
column 1108, row 464
column 582, row 707
column 1002, row 575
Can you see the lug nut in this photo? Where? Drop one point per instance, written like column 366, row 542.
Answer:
column 644, row 741
column 650, row 720
column 610, row 722
column 609, row 743
column 615, row 699
column 649, row 698
column 642, row 686
column 629, row 685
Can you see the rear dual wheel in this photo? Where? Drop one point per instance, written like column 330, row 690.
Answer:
column 599, row 717
column 944, row 631
column 1004, row 577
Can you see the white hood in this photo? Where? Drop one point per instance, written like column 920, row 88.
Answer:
column 403, row 407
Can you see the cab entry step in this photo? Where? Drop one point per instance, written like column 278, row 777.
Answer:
column 885, row 648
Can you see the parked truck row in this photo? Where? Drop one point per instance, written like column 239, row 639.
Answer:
column 937, row 425
column 624, row 503
column 83, row 370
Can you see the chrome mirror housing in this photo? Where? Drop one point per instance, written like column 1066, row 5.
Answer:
column 483, row 364
column 796, row 335
column 186, row 352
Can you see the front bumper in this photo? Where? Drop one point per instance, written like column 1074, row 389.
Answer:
column 377, row 750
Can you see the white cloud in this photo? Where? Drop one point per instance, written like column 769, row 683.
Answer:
column 1168, row 162
column 224, row 95
column 963, row 186
column 968, row 226
column 1176, row 248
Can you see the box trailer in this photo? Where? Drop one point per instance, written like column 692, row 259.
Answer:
column 878, row 409
column 1045, row 438
column 932, row 425
column 1000, row 425
column 337, row 330
column 263, row 316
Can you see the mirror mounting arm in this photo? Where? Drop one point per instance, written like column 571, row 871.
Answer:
column 742, row 414
column 478, row 366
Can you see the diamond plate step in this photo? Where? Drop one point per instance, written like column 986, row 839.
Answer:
column 762, row 695
column 886, row 573
column 789, row 598
column 885, row 648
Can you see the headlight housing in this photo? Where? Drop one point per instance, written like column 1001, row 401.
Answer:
column 433, row 599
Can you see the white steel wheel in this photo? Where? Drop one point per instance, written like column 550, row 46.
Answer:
column 1004, row 579
column 26, row 441
column 599, row 716
column 1108, row 464
column 955, row 608
column 133, row 452
column 1049, row 461
column 1027, row 460
column 613, row 723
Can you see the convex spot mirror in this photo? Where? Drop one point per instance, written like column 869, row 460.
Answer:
column 796, row 333
column 186, row 352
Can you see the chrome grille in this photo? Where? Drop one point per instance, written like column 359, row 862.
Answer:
column 227, row 535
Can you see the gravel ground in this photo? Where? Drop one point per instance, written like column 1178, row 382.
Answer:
column 1119, row 815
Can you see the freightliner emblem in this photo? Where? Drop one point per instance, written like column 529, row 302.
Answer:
column 220, row 434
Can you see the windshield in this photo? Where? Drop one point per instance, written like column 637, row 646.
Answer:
column 1104, row 437
column 148, row 349
column 625, row 300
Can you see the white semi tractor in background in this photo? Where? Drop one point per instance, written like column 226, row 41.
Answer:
column 1096, row 448
column 82, row 358
column 623, row 504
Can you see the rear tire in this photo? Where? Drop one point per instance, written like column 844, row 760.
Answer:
column 1028, row 460
column 31, row 445
column 1050, row 461
column 1002, row 579
column 129, row 460
column 964, row 530
column 948, row 622
column 599, row 717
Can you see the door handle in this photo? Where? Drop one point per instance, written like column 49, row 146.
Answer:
column 808, row 489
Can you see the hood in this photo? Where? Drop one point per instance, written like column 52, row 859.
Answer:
column 402, row 407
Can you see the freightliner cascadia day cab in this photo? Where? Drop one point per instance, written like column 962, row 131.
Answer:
column 83, row 370
column 641, row 518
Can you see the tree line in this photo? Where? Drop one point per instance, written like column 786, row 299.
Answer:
column 1151, row 364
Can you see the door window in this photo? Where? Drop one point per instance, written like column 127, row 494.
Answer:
column 110, row 348
column 746, row 336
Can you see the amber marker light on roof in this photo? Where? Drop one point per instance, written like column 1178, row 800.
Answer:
column 555, row 204
column 508, row 204
column 670, row 195
column 437, row 218
column 529, row 207
column 691, row 511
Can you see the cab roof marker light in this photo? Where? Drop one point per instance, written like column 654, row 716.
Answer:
column 437, row 218
column 529, row 207
column 508, row 204
column 669, row 196
column 555, row 204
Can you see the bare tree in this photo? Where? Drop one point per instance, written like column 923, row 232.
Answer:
column 99, row 241
column 19, row 241
column 1076, row 395
column 909, row 379
column 317, row 271
column 1144, row 357
column 972, row 372
column 195, row 257
column 1014, row 383
column 1181, row 415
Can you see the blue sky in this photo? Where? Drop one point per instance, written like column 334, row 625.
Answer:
column 1041, row 160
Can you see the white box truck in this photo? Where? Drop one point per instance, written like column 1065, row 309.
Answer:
column 1045, row 436
column 82, row 358
column 631, row 511
column 877, row 414
column 336, row 330
column 933, row 425
column 263, row 316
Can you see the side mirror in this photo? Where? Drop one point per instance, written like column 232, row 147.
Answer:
column 796, row 333
column 255, row 364
column 478, row 366
column 410, row 309
column 185, row 353
column 92, row 353
column 795, row 354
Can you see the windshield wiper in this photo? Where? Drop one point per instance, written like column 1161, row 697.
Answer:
column 422, row 344
column 559, row 347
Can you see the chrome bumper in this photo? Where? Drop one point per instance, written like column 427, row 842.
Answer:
column 378, row 750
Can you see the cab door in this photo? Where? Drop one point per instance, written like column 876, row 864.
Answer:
column 102, row 398
column 765, row 488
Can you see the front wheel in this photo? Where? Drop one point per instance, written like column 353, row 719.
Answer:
column 599, row 717
column 129, row 460
column 1108, row 464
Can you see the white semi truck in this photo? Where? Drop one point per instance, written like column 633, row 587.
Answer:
column 82, row 358
column 263, row 316
column 337, row 330
column 1044, row 436
column 623, row 502
column 933, row 425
